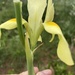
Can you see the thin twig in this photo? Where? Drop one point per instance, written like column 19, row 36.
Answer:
column 37, row 47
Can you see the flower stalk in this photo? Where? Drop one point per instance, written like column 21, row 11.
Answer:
column 18, row 14
column 24, row 40
column 29, row 57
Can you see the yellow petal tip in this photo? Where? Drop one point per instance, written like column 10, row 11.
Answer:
column 12, row 20
column 52, row 24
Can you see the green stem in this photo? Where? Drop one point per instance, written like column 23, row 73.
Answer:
column 25, row 42
column 29, row 57
column 0, row 37
column 18, row 12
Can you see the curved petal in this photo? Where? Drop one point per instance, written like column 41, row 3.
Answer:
column 36, row 9
column 53, row 35
column 10, row 24
column 63, row 50
column 50, row 11
column 40, row 39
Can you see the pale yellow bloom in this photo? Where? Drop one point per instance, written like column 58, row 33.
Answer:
column 10, row 24
column 50, row 11
column 35, row 26
column 63, row 50
column 35, row 10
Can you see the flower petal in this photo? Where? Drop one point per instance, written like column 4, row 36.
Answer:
column 63, row 50
column 39, row 39
column 50, row 11
column 10, row 24
column 53, row 35
column 36, row 9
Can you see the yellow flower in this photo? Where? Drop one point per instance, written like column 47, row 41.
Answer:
column 10, row 24
column 63, row 50
column 35, row 26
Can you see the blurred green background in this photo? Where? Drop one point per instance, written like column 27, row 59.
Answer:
column 12, row 55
